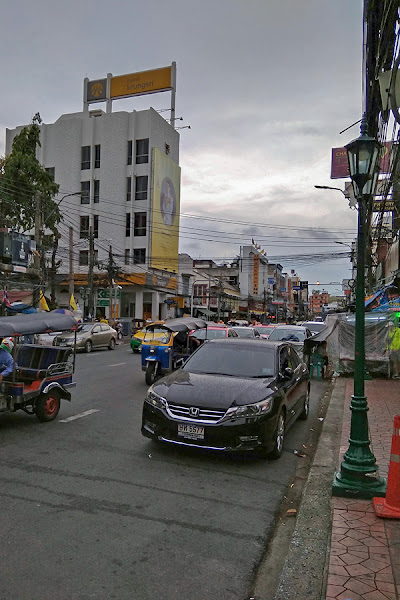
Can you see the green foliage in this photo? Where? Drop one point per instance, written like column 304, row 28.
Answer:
column 23, row 180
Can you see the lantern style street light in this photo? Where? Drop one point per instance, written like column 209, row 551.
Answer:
column 358, row 477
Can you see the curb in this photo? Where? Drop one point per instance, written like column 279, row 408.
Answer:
column 304, row 573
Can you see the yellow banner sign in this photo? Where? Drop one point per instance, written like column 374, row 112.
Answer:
column 145, row 82
column 165, row 214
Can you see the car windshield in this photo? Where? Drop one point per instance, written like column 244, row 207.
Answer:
column 290, row 335
column 235, row 360
column 85, row 327
column 210, row 334
column 245, row 332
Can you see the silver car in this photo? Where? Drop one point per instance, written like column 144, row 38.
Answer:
column 294, row 334
column 89, row 336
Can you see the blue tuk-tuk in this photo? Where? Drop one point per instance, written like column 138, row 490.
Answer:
column 42, row 375
column 170, row 348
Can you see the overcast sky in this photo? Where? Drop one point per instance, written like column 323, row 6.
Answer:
column 266, row 86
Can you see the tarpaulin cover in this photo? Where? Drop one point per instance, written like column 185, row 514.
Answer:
column 40, row 322
column 340, row 338
column 387, row 299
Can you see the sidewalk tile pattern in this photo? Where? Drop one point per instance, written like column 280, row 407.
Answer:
column 364, row 561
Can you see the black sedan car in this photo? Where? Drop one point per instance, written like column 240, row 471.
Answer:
column 232, row 394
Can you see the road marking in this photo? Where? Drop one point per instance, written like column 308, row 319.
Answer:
column 117, row 365
column 84, row 414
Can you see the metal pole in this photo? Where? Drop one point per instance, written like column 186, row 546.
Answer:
column 110, row 259
column 358, row 472
column 71, row 264
column 90, row 272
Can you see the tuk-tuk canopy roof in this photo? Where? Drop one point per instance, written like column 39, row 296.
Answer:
column 41, row 322
column 184, row 324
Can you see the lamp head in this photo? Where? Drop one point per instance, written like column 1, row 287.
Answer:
column 363, row 154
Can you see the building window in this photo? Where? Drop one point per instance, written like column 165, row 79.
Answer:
column 85, row 163
column 141, row 187
column 129, row 152
column 83, row 258
column 96, row 226
column 84, row 227
column 139, row 256
column 185, row 285
column 128, row 189
column 85, row 192
column 142, row 151
column 127, row 257
column 200, row 293
column 140, row 224
column 128, row 225
column 96, row 191
column 52, row 172
column 97, row 156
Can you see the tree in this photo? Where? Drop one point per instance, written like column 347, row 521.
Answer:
column 26, row 188
column 24, row 179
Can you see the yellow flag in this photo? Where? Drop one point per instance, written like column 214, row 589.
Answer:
column 43, row 302
column 72, row 303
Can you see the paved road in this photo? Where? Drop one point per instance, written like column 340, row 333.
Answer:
column 91, row 509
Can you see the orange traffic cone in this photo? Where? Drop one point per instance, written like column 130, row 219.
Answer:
column 389, row 507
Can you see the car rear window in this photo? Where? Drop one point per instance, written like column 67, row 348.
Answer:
column 236, row 361
column 292, row 335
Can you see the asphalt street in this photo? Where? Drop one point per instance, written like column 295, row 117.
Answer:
column 91, row 509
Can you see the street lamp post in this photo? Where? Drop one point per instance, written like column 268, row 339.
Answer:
column 358, row 476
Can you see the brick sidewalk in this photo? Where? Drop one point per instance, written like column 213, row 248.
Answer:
column 364, row 561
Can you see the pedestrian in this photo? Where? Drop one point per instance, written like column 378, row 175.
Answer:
column 6, row 360
column 394, row 348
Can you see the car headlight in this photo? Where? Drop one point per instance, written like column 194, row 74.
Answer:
column 79, row 339
column 250, row 410
column 155, row 400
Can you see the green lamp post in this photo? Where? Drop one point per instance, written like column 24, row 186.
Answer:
column 358, row 477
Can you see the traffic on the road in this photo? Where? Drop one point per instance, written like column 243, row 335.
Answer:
column 124, row 512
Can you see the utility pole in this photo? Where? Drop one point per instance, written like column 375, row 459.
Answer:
column 90, row 272
column 110, row 276
column 71, row 263
column 38, row 225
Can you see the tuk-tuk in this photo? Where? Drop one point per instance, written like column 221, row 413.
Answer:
column 42, row 375
column 170, row 349
column 137, row 337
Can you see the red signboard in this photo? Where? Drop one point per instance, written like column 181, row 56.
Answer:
column 340, row 165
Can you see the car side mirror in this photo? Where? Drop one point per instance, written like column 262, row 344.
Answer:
column 288, row 373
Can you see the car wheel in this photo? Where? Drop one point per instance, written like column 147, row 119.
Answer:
column 279, row 437
column 47, row 406
column 151, row 372
column 111, row 345
column 306, row 407
column 88, row 346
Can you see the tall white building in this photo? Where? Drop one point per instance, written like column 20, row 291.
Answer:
column 104, row 164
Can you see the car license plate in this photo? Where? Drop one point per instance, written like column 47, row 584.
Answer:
column 194, row 432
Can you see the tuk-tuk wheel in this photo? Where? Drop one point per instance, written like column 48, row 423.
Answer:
column 151, row 372
column 47, row 406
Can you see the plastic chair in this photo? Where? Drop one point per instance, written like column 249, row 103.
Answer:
column 317, row 364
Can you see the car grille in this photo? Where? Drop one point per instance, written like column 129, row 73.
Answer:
column 205, row 415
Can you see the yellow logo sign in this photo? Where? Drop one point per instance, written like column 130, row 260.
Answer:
column 97, row 89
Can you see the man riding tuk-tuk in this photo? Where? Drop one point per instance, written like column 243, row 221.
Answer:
column 41, row 375
column 166, row 347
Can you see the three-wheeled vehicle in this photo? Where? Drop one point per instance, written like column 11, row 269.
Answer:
column 167, row 348
column 42, row 375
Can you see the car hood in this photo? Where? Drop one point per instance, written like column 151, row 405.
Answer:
column 219, row 391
